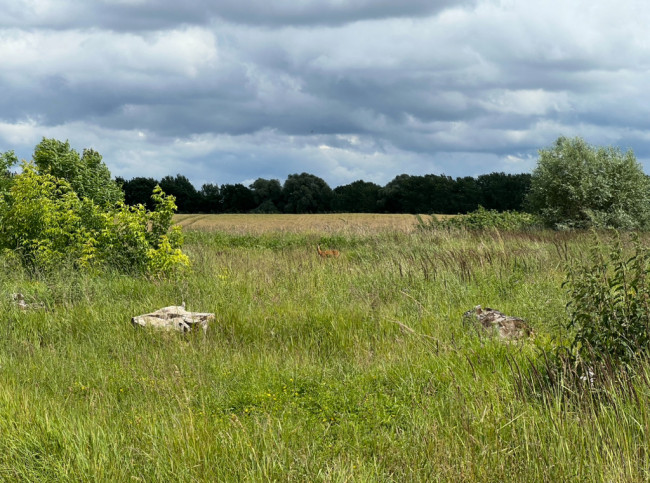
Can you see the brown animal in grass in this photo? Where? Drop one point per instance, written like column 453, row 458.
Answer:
column 327, row 253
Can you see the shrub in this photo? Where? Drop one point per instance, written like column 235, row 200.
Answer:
column 609, row 308
column 483, row 219
column 87, row 174
column 47, row 223
column 7, row 160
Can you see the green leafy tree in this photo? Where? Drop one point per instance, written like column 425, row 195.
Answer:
column 396, row 197
column 135, row 239
column 579, row 185
column 503, row 192
column 137, row 191
column 465, row 195
column 42, row 218
column 211, row 199
column 187, row 198
column 306, row 193
column 419, row 194
column 357, row 197
column 267, row 194
column 237, row 198
column 87, row 174
column 44, row 221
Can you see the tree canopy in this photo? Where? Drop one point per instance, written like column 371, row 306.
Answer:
column 574, row 185
column 137, row 191
column 183, row 191
column 579, row 185
column 360, row 196
column 306, row 193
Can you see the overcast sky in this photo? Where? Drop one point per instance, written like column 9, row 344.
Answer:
column 226, row 91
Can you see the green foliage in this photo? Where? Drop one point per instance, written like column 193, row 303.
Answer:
column 236, row 198
column 60, row 211
column 444, row 195
column 579, row 185
column 267, row 194
column 88, row 176
column 187, row 198
column 210, row 198
column 137, row 191
column 419, row 194
column 483, row 219
column 7, row 161
column 306, row 193
column 503, row 192
column 42, row 219
column 134, row 239
column 610, row 315
column 359, row 197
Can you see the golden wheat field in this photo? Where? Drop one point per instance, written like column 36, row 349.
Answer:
column 350, row 223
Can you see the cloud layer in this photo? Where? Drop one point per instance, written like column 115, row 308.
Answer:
column 229, row 91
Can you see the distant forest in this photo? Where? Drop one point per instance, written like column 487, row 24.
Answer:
column 306, row 193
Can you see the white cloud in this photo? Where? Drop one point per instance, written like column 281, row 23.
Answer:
column 19, row 133
column 230, row 91
column 526, row 102
column 92, row 55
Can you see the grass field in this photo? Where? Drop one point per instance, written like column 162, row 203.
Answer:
column 350, row 369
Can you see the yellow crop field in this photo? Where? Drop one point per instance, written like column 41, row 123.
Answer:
column 348, row 223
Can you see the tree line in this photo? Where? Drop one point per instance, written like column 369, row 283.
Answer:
column 575, row 185
column 306, row 193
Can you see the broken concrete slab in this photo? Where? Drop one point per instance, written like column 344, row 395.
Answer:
column 174, row 317
column 19, row 300
column 507, row 327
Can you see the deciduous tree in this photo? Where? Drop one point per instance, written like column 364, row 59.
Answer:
column 357, row 197
column 137, row 191
column 306, row 193
column 576, row 184
column 187, row 198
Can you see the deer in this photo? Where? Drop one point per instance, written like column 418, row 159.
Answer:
column 327, row 253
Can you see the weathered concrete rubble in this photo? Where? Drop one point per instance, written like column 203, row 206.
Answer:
column 174, row 317
column 19, row 300
column 507, row 327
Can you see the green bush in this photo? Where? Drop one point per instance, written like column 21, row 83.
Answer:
column 87, row 174
column 483, row 219
column 609, row 307
column 7, row 161
column 45, row 221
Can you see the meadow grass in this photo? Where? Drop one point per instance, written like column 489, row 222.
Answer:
column 351, row 369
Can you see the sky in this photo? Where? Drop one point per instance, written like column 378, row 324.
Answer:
column 228, row 91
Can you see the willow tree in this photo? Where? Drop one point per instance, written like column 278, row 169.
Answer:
column 579, row 185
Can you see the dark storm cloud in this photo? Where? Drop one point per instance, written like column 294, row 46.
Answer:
column 288, row 12
column 134, row 15
column 233, row 90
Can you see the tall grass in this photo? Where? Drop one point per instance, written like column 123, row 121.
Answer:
column 350, row 369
